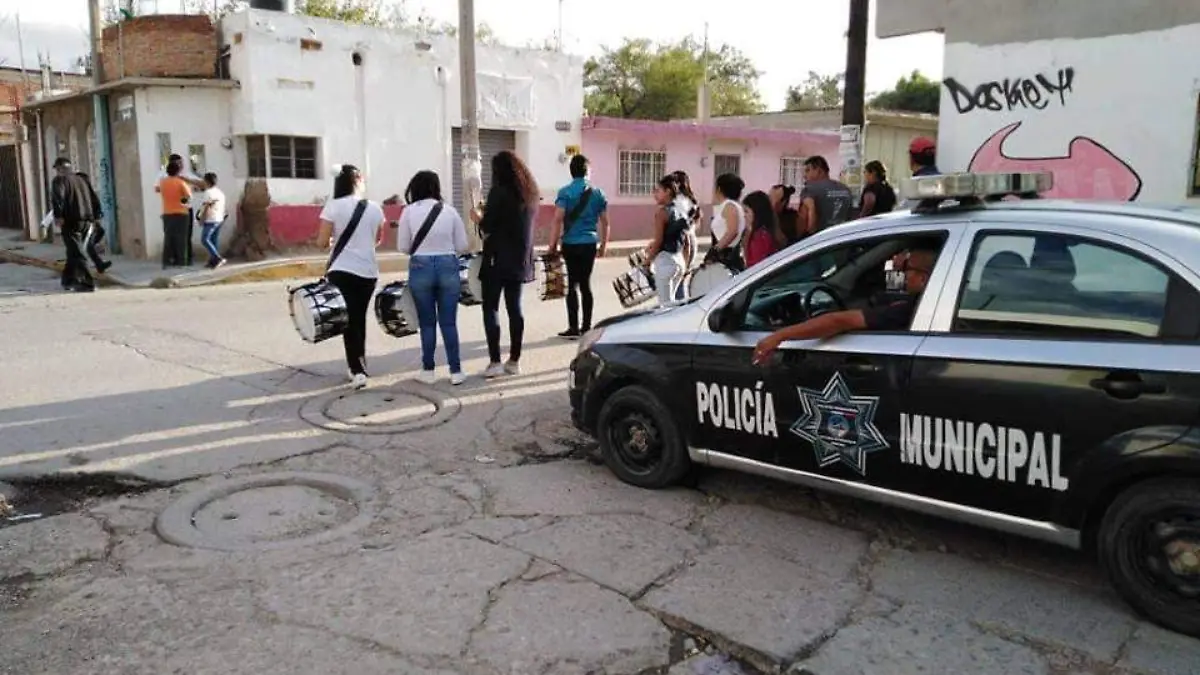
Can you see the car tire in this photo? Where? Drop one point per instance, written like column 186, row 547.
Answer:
column 1135, row 546
column 640, row 441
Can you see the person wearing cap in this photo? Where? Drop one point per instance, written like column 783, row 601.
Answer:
column 922, row 157
column 75, row 207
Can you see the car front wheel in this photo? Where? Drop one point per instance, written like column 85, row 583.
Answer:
column 1149, row 545
column 640, row 441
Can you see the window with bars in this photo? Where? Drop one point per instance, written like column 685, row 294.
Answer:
column 640, row 171
column 791, row 171
column 281, row 157
column 723, row 164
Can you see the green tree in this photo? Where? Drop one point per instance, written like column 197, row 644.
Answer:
column 639, row 79
column 915, row 93
column 484, row 34
column 366, row 12
column 817, row 92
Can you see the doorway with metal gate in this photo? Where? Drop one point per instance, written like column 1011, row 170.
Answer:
column 491, row 141
column 10, row 189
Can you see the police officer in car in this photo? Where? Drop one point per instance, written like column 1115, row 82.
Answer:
column 917, row 266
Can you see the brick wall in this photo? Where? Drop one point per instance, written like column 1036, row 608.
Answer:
column 161, row 45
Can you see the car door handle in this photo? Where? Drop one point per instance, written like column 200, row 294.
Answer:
column 1127, row 386
column 860, row 367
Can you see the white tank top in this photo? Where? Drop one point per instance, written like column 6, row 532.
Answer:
column 718, row 223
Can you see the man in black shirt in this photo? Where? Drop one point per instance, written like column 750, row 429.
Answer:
column 75, row 208
column 917, row 267
column 877, row 195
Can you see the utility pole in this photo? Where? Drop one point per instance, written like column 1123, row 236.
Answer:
column 560, row 30
column 704, row 104
column 854, row 97
column 103, row 182
column 472, row 167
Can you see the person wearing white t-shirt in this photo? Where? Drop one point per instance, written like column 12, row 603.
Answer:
column 211, row 203
column 354, row 270
column 433, row 277
column 728, row 224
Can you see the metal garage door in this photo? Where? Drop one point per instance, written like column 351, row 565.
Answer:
column 491, row 141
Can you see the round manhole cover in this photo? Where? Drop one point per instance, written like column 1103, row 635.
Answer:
column 403, row 407
column 380, row 407
column 268, row 511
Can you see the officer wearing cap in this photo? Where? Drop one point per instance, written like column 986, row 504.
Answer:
column 922, row 157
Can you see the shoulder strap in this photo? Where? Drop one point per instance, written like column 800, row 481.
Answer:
column 348, row 232
column 577, row 210
column 425, row 226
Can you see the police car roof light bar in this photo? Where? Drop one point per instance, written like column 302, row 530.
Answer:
column 978, row 185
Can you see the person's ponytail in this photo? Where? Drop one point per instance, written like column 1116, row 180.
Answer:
column 345, row 181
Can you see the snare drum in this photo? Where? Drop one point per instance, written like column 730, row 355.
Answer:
column 706, row 277
column 318, row 311
column 552, row 282
column 395, row 310
column 634, row 287
column 471, row 293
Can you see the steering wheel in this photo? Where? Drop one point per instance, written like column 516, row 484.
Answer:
column 827, row 290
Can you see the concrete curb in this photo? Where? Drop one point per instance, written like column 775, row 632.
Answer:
column 298, row 267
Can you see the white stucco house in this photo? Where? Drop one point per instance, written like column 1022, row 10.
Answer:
column 286, row 97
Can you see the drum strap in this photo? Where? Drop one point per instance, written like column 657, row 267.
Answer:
column 425, row 227
column 577, row 210
column 347, row 233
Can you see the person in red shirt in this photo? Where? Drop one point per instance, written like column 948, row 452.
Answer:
column 764, row 227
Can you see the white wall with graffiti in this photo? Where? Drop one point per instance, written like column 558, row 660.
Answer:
column 1114, row 118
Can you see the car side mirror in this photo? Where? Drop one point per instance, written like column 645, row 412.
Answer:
column 722, row 319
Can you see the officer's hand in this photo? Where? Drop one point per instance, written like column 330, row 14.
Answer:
column 766, row 348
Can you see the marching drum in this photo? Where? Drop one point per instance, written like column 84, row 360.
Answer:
column 395, row 310
column 471, row 292
column 552, row 282
column 634, row 287
column 706, row 277
column 318, row 311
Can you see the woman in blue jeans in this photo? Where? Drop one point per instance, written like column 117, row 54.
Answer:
column 506, row 227
column 433, row 269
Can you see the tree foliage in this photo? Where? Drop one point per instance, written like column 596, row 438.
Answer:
column 639, row 79
column 915, row 93
column 817, row 92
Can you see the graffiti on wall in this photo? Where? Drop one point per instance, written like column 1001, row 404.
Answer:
column 1009, row 94
column 1088, row 170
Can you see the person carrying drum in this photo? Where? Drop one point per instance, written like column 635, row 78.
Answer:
column 728, row 223
column 433, row 234
column 355, row 224
column 665, row 251
column 581, row 225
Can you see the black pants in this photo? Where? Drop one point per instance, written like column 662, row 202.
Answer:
column 75, row 272
column 175, row 232
column 357, row 291
column 491, row 322
column 94, row 231
column 191, row 228
column 580, row 260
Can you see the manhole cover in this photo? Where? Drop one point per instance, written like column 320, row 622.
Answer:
column 270, row 511
column 406, row 406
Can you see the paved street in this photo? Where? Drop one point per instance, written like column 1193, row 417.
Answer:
column 224, row 505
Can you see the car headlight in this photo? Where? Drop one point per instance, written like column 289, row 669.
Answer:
column 588, row 339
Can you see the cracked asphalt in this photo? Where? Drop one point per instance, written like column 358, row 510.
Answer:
column 492, row 543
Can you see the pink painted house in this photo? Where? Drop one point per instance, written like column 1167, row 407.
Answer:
column 629, row 156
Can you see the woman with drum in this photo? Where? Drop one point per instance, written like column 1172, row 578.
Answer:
column 728, row 223
column 665, row 252
column 433, row 234
column 763, row 240
column 506, row 227
column 354, row 223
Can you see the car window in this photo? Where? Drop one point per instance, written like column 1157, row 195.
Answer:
column 1048, row 284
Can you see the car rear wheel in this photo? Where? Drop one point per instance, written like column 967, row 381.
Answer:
column 640, row 441
column 1149, row 545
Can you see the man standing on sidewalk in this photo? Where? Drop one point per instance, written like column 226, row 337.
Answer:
column 176, row 210
column 212, row 214
column 71, row 201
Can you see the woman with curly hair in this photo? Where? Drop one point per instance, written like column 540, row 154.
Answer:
column 506, row 228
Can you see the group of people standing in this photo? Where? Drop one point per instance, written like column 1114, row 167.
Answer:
column 188, row 199
column 434, row 235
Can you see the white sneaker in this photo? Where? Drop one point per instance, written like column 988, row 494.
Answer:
column 427, row 377
column 359, row 380
column 458, row 378
column 494, row 370
column 512, row 368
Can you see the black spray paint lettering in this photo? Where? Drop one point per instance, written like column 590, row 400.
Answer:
column 1008, row 94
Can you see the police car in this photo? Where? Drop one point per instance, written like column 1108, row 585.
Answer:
column 1048, row 384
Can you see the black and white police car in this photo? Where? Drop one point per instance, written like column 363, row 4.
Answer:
column 1048, row 385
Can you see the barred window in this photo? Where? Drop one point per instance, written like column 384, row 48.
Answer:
column 640, row 171
column 281, row 157
column 791, row 171
column 723, row 164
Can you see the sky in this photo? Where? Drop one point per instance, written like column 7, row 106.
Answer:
column 784, row 38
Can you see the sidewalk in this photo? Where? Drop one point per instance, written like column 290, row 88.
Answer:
column 130, row 273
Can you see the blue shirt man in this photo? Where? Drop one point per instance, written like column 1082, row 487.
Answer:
column 582, row 240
